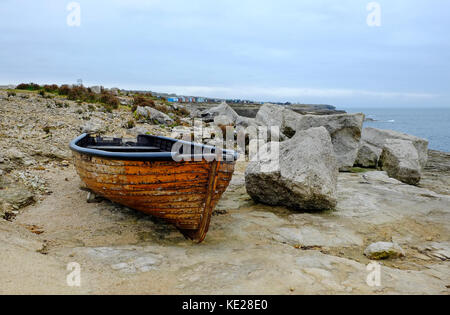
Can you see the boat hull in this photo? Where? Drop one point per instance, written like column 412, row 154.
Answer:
column 183, row 193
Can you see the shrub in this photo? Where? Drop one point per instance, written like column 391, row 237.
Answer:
column 11, row 93
column 177, row 121
column 143, row 101
column 42, row 93
column 51, row 88
column 182, row 111
column 162, row 108
column 28, row 86
column 64, row 90
column 131, row 124
column 109, row 100
column 82, row 94
column 77, row 93
column 90, row 97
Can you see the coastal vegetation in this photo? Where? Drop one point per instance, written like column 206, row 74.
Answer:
column 77, row 93
column 108, row 100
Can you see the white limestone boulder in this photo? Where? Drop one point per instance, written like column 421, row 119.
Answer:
column 302, row 175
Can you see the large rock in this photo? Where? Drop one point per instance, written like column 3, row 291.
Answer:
column 14, row 194
column 344, row 129
column 378, row 137
column 223, row 109
column 368, row 155
column 302, row 176
column 223, row 121
column 401, row 161
column 96, row 89
column 272, row 115
column 154, row 115
column 225, row 124
column 245, row 122
column 94, row 125
column 125, row 100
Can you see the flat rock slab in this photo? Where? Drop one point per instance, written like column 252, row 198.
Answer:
column 311, row 236
column 128, row 259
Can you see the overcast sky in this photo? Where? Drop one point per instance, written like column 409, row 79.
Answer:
column 317, row 51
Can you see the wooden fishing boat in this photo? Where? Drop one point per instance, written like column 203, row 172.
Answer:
column 181, row 185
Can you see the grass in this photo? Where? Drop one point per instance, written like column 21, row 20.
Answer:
column 21, row 91
column 130, row 124
column 357, row 170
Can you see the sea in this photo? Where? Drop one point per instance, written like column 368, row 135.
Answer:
column 429, row 123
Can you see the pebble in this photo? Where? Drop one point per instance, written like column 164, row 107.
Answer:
column 93, row 198
column 383, row 250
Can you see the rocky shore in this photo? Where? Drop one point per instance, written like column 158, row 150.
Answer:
column 260, row 241
column 250, row 110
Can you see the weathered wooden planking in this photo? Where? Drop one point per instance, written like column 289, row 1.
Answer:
column 183, row 193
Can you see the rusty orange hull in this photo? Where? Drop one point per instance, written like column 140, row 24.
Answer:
column 183, row 193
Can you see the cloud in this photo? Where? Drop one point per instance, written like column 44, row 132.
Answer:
column 289, row 50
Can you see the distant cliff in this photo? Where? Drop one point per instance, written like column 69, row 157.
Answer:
column 250, row 110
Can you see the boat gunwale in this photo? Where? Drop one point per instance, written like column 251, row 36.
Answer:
column 227, row 155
